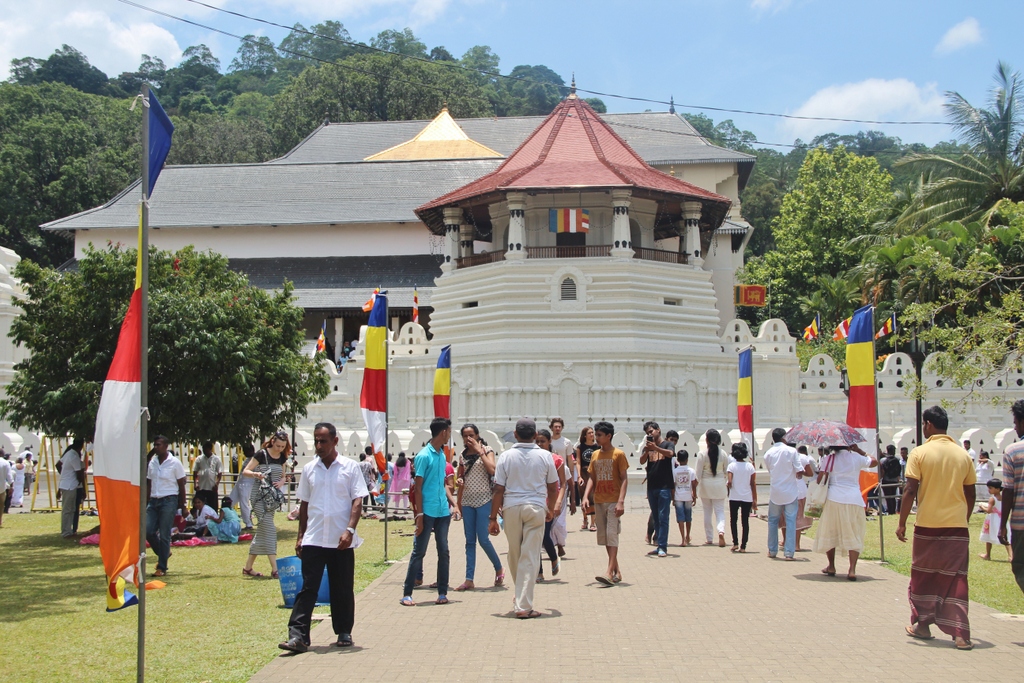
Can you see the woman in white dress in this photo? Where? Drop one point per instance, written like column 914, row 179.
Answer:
column 842, row 525
column 712, row 486
column 18, row 492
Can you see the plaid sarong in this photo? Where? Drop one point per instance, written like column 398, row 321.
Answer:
column 938, row 580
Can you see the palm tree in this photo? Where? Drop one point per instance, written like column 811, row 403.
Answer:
column 968, row 188
column 833, row 298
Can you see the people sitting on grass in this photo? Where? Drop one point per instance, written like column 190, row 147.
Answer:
column 202, row 513
column 227, row 526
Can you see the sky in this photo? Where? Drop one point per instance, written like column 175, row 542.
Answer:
column 873, row 60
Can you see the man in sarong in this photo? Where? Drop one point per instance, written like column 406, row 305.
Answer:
column 940, row 476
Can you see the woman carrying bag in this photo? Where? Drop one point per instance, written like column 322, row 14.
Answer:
column 842, row 525
column 267, row 467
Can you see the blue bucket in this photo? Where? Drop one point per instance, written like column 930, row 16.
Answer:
column 289, row 571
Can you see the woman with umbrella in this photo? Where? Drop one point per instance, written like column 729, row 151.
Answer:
column 842, row 523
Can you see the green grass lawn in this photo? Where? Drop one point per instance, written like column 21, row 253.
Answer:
column 208, row 624
column 991, row 581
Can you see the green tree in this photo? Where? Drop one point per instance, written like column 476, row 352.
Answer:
column 833, row 298
column 968, row 188
column 224, row 358
column 256, row 56
column 402, row 42
column 373, row 87
column 837, row 196
column 439, row 54
column 61, row 151
column 198, row 71
column 214, row 139
column 66, row 65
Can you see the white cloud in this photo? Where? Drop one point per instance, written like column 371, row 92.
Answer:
column 873, row 99
column 964, row 34
column 769, row 6
column 406, row 12
column 112, row 41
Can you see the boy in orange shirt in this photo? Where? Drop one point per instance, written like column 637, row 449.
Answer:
column 608, row 481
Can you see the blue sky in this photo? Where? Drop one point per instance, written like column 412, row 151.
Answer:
column 866, row 60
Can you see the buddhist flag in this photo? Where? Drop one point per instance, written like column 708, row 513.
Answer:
column 888, row 327
column 443, row 384
column 842, row 330
column 862, row 411
column 568, row 220
column 415, row 305
column 745, row 400
column 368, row 306
column 321, row 342
column 116, row 456
column 374, row 397
column 812, row 331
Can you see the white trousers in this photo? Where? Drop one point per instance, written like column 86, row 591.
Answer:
column 716, row 506
column 524, row 529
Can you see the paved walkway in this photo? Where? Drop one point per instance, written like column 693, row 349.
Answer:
column 703, row 613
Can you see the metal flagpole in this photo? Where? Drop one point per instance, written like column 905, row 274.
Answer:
column 878, row 453
column 140, row 673
column 387, row 404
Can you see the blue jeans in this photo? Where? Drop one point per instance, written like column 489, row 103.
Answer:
column 439, row 527
column 660, row 501
column 475, row 521
column 160, row 518
column 774, row 511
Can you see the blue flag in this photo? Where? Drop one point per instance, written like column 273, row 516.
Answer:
column 160, row 130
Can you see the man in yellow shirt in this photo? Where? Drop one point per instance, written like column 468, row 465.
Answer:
column 940, row 476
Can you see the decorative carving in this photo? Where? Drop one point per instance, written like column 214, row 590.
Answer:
column 568, row 372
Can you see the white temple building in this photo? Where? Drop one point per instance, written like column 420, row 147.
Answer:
column 629, row 320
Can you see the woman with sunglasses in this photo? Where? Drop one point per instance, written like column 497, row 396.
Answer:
column 266, row 466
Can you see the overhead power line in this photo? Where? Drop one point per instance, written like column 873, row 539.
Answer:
column 491, row 74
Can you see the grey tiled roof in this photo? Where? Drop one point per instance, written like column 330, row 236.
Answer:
column 284, row 194
column 342, row 298
column 358, row 273
column 658, row 137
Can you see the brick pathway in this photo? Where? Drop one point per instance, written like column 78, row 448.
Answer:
column 703, row 613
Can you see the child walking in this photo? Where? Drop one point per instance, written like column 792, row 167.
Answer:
column 608, row 469
column 990, row 527
column 682, row 495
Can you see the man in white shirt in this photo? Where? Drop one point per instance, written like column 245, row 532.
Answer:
column 72, row 475
column 30, row 468
column 166, row 479
column 970, row 451
column 783, row 464
column 6, row 481
column 331, row 493
column 525, row 490
column 206, row 474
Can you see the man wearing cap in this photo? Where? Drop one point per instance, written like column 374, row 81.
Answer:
column 525, row 490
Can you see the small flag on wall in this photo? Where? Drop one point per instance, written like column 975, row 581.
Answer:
column 888, row 328
column 415, row 305
column 568, row 220
column 812, row 331
column 842, row 330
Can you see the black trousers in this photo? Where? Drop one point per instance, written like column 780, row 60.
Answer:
column 890, row 491
column 741, row 509
column 341, row 566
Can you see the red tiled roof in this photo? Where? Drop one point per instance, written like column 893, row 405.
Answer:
column 574, row 148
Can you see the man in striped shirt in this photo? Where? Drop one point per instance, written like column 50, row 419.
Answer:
column 1013, row 495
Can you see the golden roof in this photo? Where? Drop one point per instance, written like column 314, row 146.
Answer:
column 443, row 138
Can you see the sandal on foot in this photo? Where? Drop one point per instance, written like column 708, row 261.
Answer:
column 606, row 580
column 532, row 614
column 964, row 644
column 466, row 586
column 441, row 600
column 555, row 566
column 593, row 527
column 250, row 572
column 735, row 549
column 912, row 632
column 721, row 540
column 826, row 572
column 616, row 578
column 499, row 578
column 275, row 575
column 407, row 602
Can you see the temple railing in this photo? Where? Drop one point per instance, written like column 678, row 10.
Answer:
column 579, row 251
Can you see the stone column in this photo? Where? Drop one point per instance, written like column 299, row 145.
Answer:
column 691, row 223
column 622, row 247
column 516, row 226
column 452, row 221
column 466, row 240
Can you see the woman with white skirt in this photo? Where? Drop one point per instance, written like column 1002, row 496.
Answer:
column 842, row 523
column 712, row 486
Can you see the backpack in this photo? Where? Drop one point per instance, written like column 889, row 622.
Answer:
column 891, row 469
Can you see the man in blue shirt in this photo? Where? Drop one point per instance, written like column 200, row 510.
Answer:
column 432, row 506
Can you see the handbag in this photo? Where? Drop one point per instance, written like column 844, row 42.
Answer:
column 817, row 491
